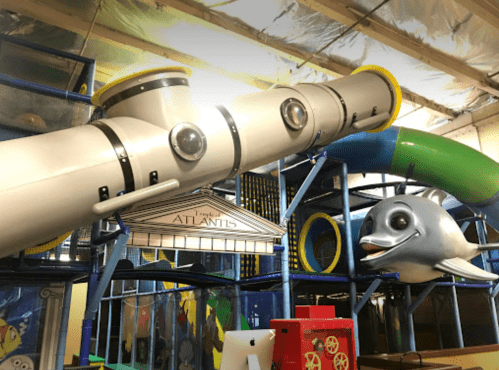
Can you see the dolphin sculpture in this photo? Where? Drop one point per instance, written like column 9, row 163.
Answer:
column 416, row 237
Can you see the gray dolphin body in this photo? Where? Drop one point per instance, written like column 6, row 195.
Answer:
column 417, row 238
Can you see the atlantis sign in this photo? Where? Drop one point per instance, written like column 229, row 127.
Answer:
column 202, row 222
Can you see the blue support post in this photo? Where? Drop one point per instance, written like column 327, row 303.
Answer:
column 97, row 324
column 152, row 336
column 411, row 307
column 109, row 325
column 410, row 320
column 96, row 297
column 174, row 328
column 57, row 252
column 90, row 78
column 427, row 290
column 44, row 49
column 237, row 263
column 153, row 319
column 350, row 254
column 482, row 238
column 457, row 317
column 120, row 336
column 372, row 288
column 495, row 291
column 285, row 243
column 464, row 226
column 61, row 345
column 174, row 312
column 106, row 275
column 434, row 303
column 200, row 320
column 303, row 188
column 86, row 330
column 42, row 89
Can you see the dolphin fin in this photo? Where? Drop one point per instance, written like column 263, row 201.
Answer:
column 436, row 195
column 487, row 247
column 458, row 266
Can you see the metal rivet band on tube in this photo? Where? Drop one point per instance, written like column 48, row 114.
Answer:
column 342, row 103
column 144, row 87
column 392, row 93
column 121, row 153
column 235, row 138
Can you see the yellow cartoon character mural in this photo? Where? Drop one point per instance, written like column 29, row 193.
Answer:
column 9, row 339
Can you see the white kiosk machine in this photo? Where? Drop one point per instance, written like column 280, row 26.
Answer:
column 248, row 350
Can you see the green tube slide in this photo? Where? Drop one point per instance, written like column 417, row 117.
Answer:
column 465, row 173
column 456, row 168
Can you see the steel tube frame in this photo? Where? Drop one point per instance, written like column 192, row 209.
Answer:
column 304, row 187
column 285, row 243
column 237, row 263
column 372, row 288
column 45, row 49
column 457, row 317
column 134, row 337
column 109, row 326
column 436, row 311
column 410, row 320
column 349, row 250
column 63, row 330
column 86, row 331
column 174, row 329
column 411, row 307
column 285, row 215
column 94, row 298
column 482, row 238
column 427, row 290
column 44, row 90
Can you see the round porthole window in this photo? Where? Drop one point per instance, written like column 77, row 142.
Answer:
column 188, row 141
column 294, row 114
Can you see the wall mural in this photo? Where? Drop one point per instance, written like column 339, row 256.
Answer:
column 21, row 325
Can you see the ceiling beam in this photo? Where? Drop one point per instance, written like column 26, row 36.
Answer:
column 391, row 36
column 63, row 18
column 69, row 22
column 215, row 20
column 482, row 117
column 485, row 9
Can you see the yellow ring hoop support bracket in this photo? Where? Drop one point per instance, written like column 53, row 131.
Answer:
column 302, row 247
column 47, row 246
column 96, row 96
column 398, row 93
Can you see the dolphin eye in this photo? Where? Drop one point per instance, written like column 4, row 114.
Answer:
column 12, row 334
column 367, row 227
column 400, row 221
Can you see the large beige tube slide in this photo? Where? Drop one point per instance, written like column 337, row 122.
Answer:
column 155, row 143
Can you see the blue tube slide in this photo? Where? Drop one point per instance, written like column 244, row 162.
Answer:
column 468, row 175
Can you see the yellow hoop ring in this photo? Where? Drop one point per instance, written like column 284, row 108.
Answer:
column 303, row 236
column 47, row 246
column 398, row 93
column 96, row 96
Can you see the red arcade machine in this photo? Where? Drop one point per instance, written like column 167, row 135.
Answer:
column 315, row 340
